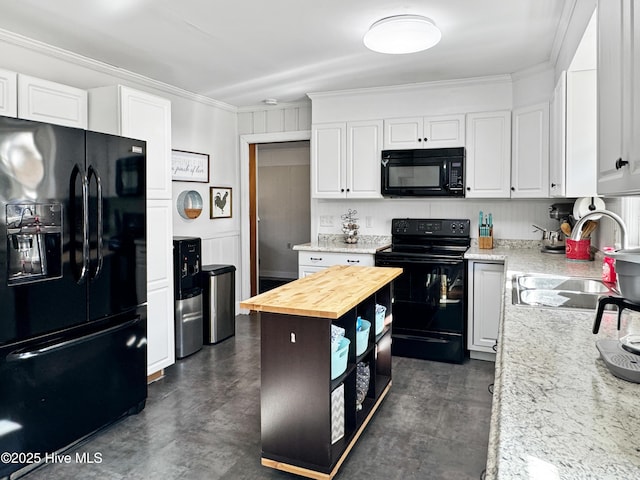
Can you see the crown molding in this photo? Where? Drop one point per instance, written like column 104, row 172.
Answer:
column 527, row 72
column 98, row 66
column 561, row 30
column 491, row 79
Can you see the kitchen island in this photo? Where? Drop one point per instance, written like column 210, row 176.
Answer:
column 310, row 420
column 558, row 413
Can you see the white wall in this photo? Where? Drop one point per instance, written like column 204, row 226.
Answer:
column 512, row 218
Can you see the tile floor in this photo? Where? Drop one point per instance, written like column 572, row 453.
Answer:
column 202, row 421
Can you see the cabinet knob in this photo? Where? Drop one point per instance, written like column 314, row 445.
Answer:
column 468, row 189
column 419, row 139
column 342, row 190
column 553, row 185
column 621, row 163
column 513, row 189
column 348, row 190
column 426, row 139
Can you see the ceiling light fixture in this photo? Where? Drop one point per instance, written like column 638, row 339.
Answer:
column 270, row 101
column 402, row 34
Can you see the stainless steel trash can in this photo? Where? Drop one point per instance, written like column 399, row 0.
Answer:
column 219, row 301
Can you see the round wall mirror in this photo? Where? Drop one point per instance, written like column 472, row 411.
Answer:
column 189, row 204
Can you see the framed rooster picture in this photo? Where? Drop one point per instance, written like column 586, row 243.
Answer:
column 220, row 202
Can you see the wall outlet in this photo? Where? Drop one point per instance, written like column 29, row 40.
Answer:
column 368, row 222
column 326, row 221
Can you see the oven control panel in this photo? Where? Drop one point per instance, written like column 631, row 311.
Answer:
column 431, row 227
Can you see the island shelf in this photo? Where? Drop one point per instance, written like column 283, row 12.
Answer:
column 303, row 411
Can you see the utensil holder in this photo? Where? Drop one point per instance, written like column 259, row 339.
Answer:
column 578, row 249
column 486, row 241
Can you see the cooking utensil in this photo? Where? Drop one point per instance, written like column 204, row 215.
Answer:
column 587, row 230
column 566, row 228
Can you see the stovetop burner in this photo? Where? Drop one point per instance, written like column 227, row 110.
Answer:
column 434, row 238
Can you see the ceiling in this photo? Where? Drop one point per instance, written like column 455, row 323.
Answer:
column 244, row 51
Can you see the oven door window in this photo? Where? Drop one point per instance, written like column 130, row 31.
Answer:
column 429, row 297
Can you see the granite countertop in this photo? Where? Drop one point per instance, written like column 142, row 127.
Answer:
column 335, row 243
column 558, row 413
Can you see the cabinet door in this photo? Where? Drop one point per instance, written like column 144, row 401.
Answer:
column 444, row 131
column 364, row 144
column 8, row 93
column 328, row 153
column 530, row 158
column 487, row 298
column 614, row 24
column 488, row 155
column 50, row 102
column 160, row 337
column 306, row 270
column 581, row 134
column 557, row 138
column 402, row 133
column 147, row 117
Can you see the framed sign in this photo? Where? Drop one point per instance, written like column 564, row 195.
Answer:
column 189, row 166
column 220, row 202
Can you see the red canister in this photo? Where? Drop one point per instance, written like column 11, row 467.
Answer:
column 608, row 267
column 578, row 249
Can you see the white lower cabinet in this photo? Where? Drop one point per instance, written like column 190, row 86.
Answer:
column 310, row 262
column 486, row 294
column 160, row 325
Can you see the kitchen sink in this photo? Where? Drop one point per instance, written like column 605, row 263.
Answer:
column 553, row 291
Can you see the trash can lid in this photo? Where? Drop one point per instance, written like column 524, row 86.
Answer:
column 218, row 269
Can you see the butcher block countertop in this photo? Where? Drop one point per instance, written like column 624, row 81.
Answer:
column 329, row 293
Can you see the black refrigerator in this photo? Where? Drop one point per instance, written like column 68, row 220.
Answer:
column 73, row 322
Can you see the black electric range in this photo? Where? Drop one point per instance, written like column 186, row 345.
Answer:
column 430, row 297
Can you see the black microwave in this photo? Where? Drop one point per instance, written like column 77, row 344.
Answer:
column 435, row 172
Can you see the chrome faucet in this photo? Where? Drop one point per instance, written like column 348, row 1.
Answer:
column 577, row 229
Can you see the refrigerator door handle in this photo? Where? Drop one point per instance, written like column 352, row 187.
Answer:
column 93, row 172
column 50, row 347
column 84, row 221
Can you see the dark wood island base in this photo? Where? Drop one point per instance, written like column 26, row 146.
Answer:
column 310, row 422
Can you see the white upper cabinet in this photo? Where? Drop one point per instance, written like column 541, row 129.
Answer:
column 619, row 98
column 345, row 159
column 573, row 168
column 557, row 138
column 424, row 132
column 530, row 158
column 51, row 102
column 364, row 147
column 488, row 162
column 131, row 113
column 8, row 93
column 328, row 156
